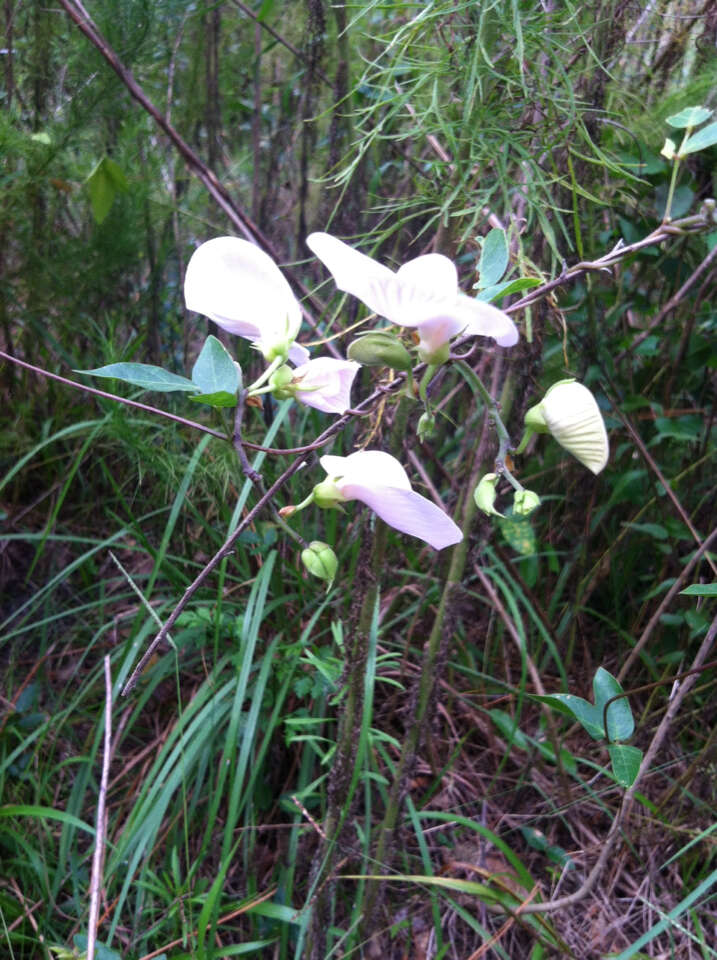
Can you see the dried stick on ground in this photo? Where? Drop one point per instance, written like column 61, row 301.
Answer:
column 98, row 855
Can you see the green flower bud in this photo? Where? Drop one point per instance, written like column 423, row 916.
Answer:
column 379, row 349
column 570, row 413
column 484, row 494
column 320, row 560
column 327, row 495
column 281, row 383
column 524, row 502
column 426, row 426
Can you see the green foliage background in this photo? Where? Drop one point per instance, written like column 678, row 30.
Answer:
column 404, row 127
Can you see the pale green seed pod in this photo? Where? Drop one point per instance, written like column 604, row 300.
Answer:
column 380, row 349
column 485, row 494
column 524, row 502
column 320, row 560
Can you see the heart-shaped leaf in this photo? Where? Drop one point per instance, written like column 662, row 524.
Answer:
column 620, row 723
column 215, row 371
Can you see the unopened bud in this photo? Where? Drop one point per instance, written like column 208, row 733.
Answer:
column 524, row 502
column 426, row 426
column 380, row 349
column 320, row 560
column 287, row 511
column 484, row 494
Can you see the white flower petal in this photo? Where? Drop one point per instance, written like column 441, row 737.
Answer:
column 355, row 273
column 407, row 511
column 367, row 467
column 242, row 290
column 484, row 320
column 325, row 383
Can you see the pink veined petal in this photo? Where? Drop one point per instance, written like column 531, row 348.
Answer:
column 357, row 274
column 484, row 320
column 327, row 383
column 240, row 287
column 408, row 512
column 371, row 468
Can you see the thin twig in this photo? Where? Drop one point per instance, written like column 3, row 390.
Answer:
column 218, row 192
column 98, row 854
column 665, row 484
column 669, row 306
column 112, row 396
column 664, row 605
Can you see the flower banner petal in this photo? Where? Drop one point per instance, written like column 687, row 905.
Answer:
column 357, row 274
column 240, row 287
column 408, row 512
column 372, row 468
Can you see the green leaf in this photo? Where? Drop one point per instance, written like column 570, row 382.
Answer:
column 105, row 181
column 651, row 529
column 689, row 117
column 620, row 723
column 493, row 258
column 505, row 288
column 265, row 9
column 215, row 372
column 221, row 398
column 700, row 590
column 706, row 137
column 626, row 762
column 519, row 534
column 144, row 375
column 587, row 715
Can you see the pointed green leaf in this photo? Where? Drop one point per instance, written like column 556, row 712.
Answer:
column 215, row 371
column 505, row 288
column 103, row 184
column 626, row 762
column 706, row 137
column 587, row 715
column 700, row 590
column 493, row 258
column 689, row 117
column 620, row 723
column 116, row 174
column 219, row 399
column 144, row 375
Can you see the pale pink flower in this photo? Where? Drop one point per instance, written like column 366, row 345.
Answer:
column 423, row 294
column 325, row 383
column 378, row 480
